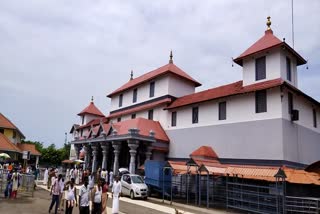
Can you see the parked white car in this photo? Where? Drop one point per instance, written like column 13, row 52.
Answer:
column 134, row 186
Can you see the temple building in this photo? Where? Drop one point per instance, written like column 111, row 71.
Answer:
column 263, row 119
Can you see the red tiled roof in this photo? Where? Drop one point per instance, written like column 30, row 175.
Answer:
column 106, row 127
column 29, row 147
column 6, row 123
column 205, row 151
column 267, row 174
column 94, row 122
column 144, row 125
column 266, row 42
column 223, row 91
column 6, row 145
column 140, row 108
column 169, row 68
column 91, row 109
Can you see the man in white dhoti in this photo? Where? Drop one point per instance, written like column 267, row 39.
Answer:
column 116, row 193
column 46, row 176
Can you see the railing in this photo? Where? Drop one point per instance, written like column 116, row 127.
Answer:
column 302, row 205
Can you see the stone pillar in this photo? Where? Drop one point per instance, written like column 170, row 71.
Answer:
column 133, row 145
column 77, row 150
column 94, row 158
column 105, row 149
column 88, row 156
column 117, row 146
column 37, row 161
column 148, row 152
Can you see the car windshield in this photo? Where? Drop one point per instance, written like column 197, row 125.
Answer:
column 137, row 180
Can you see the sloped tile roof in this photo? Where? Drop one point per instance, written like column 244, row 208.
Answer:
column 205, row 151
column 6, row 145
column 144, row 125
column 169, row 68
column 223, row 91
column 94, row 122
column 91, row 109
column 266, row 42
column 29, row 147
column 6, row 123
column 140, row 108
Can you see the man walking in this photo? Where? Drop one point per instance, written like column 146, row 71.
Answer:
column 55, row 192
column 84, row 197
column 116, row 192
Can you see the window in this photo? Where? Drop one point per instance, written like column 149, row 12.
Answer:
column 2, row 131
column 288, row 69
column 120, row 100
column 133, row 116
column 314, row 118
column 261, row 101
column 150, row 114
column 151, row 92
column 14, row 134
column 195, row 115
column 222, row 110
column 135, row 93
column 261, row 68
column 82, row 120
column 119, row 119
column 290, row 102
column 174, row 118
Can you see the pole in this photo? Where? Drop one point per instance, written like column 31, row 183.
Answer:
column 292, row 23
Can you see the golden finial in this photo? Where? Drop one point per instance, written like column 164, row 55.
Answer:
column 92, row 99
column 131, row 75
column 268, row 23
column 171, row 56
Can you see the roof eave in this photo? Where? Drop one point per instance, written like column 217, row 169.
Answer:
column 300, row 59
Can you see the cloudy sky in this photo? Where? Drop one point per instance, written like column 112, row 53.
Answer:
column 55, row 55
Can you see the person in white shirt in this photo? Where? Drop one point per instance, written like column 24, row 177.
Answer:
column 91, row 181
column 71, row 196
column 46, row 175
column 97, row 198
column 62, row 198
column 84, row 194
column 116, row 193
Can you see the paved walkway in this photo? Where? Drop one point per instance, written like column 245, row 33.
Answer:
column 156, row 205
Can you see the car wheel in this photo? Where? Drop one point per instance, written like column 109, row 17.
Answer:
column 132, row 194
column 145, row 198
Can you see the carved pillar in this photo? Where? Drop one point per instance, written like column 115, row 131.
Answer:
column 148, row 152
column 133, row 145
column 77, row 150
column 105, row 149
column 94, row 158
column 117, row 146
column 85, row 149
column 88, row 156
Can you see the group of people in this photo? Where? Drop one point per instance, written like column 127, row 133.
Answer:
column 62, row 191
column 13, row 182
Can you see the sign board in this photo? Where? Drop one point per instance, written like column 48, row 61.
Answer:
column 26, row 155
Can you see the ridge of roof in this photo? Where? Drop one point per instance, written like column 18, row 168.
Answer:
column 267, row 41
column 6, row 123
column 168, row 68
column 223, row 91
column 91, row 109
